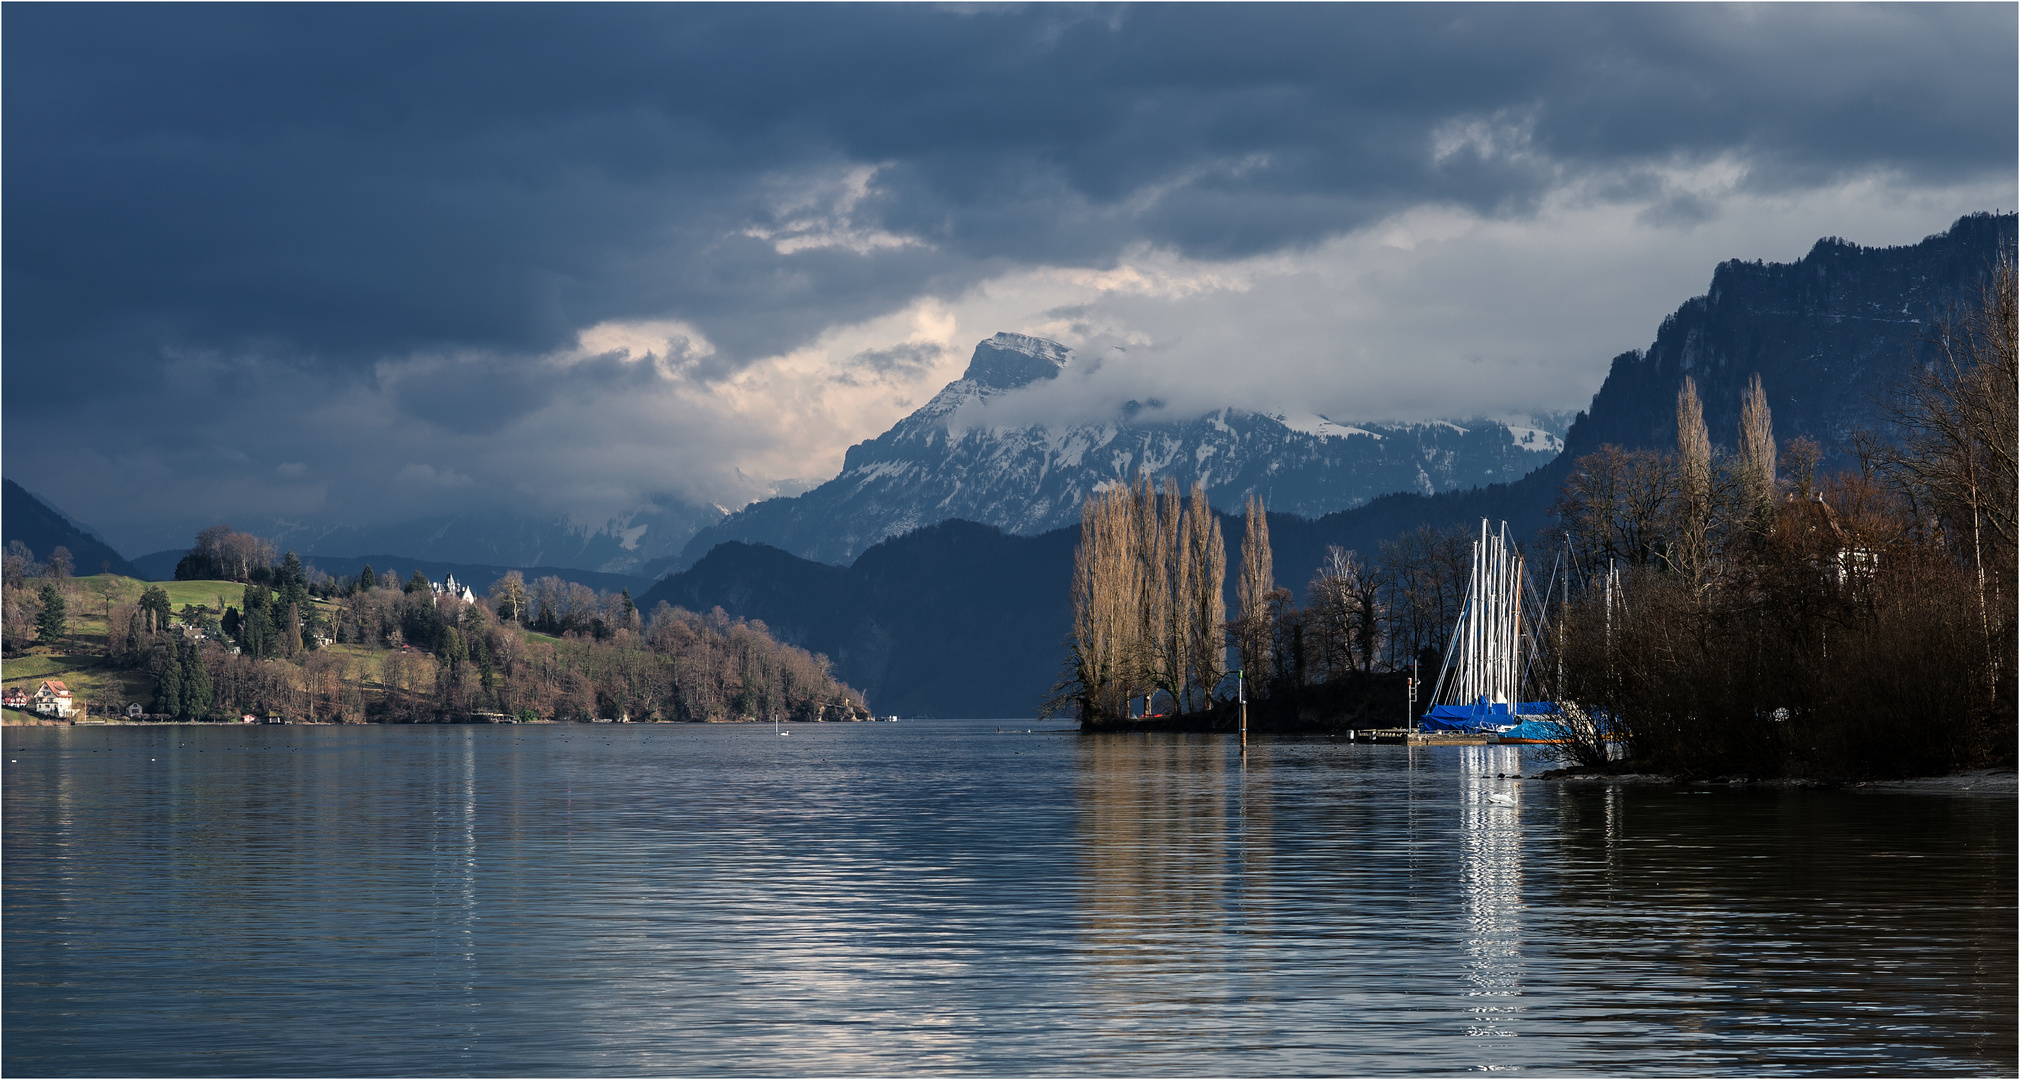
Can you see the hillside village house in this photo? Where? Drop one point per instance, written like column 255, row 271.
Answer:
column 14, row 698
column 52, row 698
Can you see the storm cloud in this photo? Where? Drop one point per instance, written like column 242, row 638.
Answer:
column 365, row 261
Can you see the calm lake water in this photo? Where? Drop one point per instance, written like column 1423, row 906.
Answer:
column 942, row 897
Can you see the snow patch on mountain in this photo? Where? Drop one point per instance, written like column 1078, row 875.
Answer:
column 1321, row 427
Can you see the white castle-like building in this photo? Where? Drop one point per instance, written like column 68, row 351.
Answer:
column 450, row 587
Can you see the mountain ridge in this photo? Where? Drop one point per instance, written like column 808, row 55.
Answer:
column 931, row 467
column 38, row 525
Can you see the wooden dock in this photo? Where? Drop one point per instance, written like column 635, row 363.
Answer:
column 1407, row 737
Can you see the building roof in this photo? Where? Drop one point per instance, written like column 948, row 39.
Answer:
column 56, row 685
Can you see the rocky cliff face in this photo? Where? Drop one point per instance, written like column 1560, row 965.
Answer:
column 929, row 468
column 1830, row 335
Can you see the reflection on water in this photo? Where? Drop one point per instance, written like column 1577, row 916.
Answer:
column 1492, row 880
column 944, row 898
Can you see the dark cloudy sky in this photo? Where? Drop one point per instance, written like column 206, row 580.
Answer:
column 362, row 262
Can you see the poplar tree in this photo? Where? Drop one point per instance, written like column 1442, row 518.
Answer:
column 1693, row 476
column 1757, row 452
column 1103, row 612
column 1205, row 580
column 1253, row 591
column 1160, row 610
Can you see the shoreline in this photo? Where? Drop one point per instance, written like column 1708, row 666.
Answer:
column 1966, row 781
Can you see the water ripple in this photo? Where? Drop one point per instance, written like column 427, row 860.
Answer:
column 945, row 898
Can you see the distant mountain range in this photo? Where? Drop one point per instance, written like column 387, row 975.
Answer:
column 38, row 525
column 930, row 467
column 623, row 545
column 160, row 566
column 955, row 619
column 1828, row 334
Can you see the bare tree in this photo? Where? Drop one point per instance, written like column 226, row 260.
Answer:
column 1615, row 505
column 1253, row 592
column 1757, row 453
column 1801, row 456
column 1163, row 641
column 109, row 590
column 1958, row 417
column 1329, row 615
column 1206, row 578
column 1106, row 599
column 1691, row 553
column 508, row 597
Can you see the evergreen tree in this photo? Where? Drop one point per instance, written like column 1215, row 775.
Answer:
column 196, row 692
column 291, row 582
column 421, row 620
column 290, row 630
column 168, row 686
column 52, row 622
column 418, row 583
column 256, row 625
column 368, row 579
column 155, row 605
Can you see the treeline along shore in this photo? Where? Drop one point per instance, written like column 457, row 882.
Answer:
column 1711, row 609
column 245, row 633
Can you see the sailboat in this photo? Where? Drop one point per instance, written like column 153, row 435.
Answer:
column 1480, row 681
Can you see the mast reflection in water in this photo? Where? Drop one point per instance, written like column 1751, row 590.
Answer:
column 1492, row 880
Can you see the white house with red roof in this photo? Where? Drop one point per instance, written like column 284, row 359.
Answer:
column 52, row 698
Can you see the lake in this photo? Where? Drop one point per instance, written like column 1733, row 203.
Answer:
column 947, row 897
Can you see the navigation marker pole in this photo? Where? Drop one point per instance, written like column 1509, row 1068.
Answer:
column 1241, row 693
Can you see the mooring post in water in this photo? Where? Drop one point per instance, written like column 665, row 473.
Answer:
column 1241, row 695
column 1410, row 706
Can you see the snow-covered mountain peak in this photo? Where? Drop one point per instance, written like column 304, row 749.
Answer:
column 1008, row 361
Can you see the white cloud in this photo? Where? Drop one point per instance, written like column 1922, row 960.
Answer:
column 668, row 344
column 821, row 214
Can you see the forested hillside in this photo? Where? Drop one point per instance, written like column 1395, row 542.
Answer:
column 264, row 639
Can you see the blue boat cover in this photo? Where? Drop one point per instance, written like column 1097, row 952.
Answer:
column 1482, row 716
column 1548, row 729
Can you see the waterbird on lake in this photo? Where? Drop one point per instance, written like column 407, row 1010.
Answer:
column 1499, row 799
